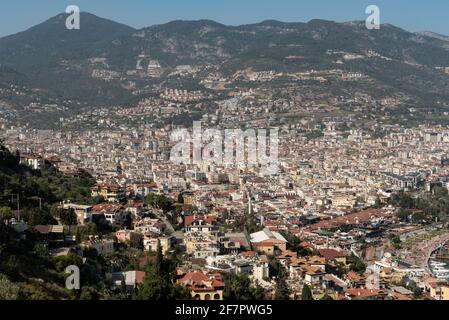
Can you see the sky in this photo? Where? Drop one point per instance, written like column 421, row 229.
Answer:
column 415, row 15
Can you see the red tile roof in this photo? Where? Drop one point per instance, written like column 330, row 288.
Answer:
column 351, row 219
column 198, row 281
column 331, row 254
column 189, row 220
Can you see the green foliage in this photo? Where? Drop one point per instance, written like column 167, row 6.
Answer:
column 89, row 293
column 356, row 264
column 259, row 47
column 403, row 200
column 52, row 42
column 306, row 293
column 36, row 217
column 327, row 297
column 396, row 242
column 8, row 162
column 418, row 217
column 62, row 262
column 412, row 286
column 67, row 217
column 8, row 290
column 238, row 287
column 82, row 232
column 158, row 285
column 24, row 261
column 5, row 213
column 403, row 214
column 35, row 187
column 282, row 290
column 41, row 250
column 248, row 222
column 159, row 259
column 34, row 291
column 160, row 202
column 274, row 267
column 434, row 204
column 293, row 244
column 153, row 288
column 63, row 187
column 159, row 281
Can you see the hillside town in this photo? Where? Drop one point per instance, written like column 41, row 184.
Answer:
column 326, row 221
column 195, row 160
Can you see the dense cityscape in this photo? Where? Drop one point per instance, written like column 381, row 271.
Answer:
column 356, row 208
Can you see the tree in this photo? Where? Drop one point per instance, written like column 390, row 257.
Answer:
column 89, row 293
column 417, row 292
column 34, row 291
column 403, row 214
column 160, row 202
column 412, row 286
column 292, row 241
column 282, row 290
column 8, row 290
column 259, row 292
column 123, row 288
column 41, row 250
column 356, row 264
column 180, row 198
column 403, row 200
column 238, row 287
column 36, row 217
column 396, row 242
column 274, row 267
column 159, row 258
column 306, row 293
column 62, row 262
column 5, row 214
column 418, row 217
column 159, row 287
column 158, row 284
column 68, row 217
column 247, row 222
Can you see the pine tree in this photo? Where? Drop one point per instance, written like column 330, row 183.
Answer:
column 159, row 258
column 306, row 293
column 282, row 289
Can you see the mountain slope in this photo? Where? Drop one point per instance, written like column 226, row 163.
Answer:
column 65, row 64
column 51, row 42
column 49, row 55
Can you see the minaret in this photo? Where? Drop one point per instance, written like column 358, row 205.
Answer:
column 250, row 204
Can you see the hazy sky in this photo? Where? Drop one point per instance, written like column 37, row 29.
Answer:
column 412, row 15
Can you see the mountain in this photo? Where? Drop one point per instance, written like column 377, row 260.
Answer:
column 49, row 43
column 185, row 41
column 104, row 63
column 431, row 34
column 50, row 56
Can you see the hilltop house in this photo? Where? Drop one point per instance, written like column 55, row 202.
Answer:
column 202, row 286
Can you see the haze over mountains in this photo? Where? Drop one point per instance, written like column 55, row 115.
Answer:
column 58, row 63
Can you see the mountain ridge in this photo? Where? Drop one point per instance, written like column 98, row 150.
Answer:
column 97, row 63
column 263, row 22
